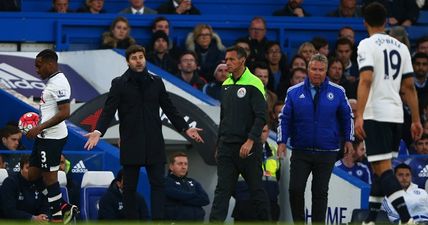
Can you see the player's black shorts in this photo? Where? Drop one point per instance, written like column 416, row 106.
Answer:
column 383, row 139
column 46, row 153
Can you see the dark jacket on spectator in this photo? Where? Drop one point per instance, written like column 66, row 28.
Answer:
column 184, row 199
column 287, row 11
column 258, row 50
column 9, row 5
column 167, row 63
column 169, row 8
column 20, row 198
column 196, row 81
column 213, row 89
column 108, row 41
column 208, row 58
column 111, row 205
column 399, row 9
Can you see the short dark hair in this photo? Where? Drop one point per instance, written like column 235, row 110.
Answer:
column 344, row 41
column 172, row 157
column 423, row 137
column 298, row 69
column 48, row 55
column 9, row 130
column 240, row 51
column 319, row 42
column 158, row 19
column 188, row 52
column 25, row 159
column 243, row 40
column 374, row 14
column 133, row 49
column 270, row 44
column 332, row 60
column 419, row 55
column 260, row 65
column 403, row 166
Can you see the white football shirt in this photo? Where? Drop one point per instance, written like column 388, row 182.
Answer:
column 390, row 62
column 57, row 91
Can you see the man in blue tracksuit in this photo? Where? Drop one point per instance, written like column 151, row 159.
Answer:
column 317, row 118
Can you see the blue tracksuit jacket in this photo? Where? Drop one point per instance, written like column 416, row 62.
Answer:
column 320, row 129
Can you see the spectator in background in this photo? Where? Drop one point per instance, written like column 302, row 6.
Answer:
column 20, row 199
column 162, row 23
column 415, row 197
column 400, row 33
column 277, row 64
column 298, row 75
column 137, row 8
column 10, row 138
column 277, row 107
column 400, row 12
column 351, row 162
column 349, row 33
column 111, row 203
column 257, row 38
column 92, row 6
column 421, row 145
column 184, row 196
column 347, row 8
column 420, row 67
column 180, row 7
column 292, row 8
column 344, row 53
column 245, row 44
column 335, row 75
column 60, row 6
column 321, row 45
column 298, row 61
column 159, row 54
column 208, row 48
column 118, row 36
column 422, row 45
column 261, row 71
column 213, row 88
column 307, row 50
column 187, row 70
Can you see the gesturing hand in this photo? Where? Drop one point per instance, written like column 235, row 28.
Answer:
column 193, row 134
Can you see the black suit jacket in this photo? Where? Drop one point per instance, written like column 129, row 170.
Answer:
column 141, row 139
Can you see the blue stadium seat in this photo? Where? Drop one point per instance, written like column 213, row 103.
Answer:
column 94, row 185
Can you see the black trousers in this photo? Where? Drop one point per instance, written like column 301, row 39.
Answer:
column 229, row 166
column 302, row 164
column 156, row 174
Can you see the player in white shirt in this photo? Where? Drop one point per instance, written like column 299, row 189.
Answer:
column 416, row 198
column 385, row 71
column 51, row 135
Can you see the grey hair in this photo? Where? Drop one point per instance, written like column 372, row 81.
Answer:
column 319, row 58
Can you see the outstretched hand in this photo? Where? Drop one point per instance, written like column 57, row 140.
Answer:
column 93, row 139
column 193, row 134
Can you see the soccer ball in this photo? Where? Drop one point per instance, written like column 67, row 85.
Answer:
column 28, row 121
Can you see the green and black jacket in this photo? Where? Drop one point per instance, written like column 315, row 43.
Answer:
column 243, row 109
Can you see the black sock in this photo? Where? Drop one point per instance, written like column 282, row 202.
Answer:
column 375, row 200
column 394, row 192
column 55, row 199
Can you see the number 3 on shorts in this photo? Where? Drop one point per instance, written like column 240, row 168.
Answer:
column 43, row 156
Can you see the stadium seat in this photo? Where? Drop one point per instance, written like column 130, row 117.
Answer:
column 62, row 180
column 94, row 185
column 3, row 175
column 359, row 215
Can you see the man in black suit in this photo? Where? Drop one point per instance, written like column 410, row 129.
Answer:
column 137, row 95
